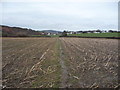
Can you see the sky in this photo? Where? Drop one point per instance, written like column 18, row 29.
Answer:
column 71, row 15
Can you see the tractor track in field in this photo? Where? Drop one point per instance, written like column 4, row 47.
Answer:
column 82, row 69
column 64, row 76
column 59, row 63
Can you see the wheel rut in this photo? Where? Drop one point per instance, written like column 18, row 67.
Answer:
column 64, row 76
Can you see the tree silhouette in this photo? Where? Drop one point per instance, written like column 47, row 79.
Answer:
column 64, row 33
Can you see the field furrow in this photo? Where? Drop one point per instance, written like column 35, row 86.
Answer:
column 91, row 62
column 60, row 63
column 27, row 65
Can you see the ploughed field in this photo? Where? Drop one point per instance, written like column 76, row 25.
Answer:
column 59, row 62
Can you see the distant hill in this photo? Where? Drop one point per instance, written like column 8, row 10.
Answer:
column 17, row 31
column 51, row 31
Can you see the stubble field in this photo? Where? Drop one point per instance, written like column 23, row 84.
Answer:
column 60, row 62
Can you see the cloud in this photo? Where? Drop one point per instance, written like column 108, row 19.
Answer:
column 61, row 15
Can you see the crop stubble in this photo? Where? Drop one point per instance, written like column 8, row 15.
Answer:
column 30, row 61
column 91, row 63
column 60, row 62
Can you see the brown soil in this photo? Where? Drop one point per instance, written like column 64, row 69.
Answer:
column 60, row 62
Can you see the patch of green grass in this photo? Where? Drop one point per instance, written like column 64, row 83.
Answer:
column 39, row 35
column 54, row 35
column 45, row 35
column 97, row 34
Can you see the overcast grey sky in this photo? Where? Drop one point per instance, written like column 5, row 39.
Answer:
column 61, row 15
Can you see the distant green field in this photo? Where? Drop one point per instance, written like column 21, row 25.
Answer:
column 45, row 35
column 39, row 35
column 97, row 34
column 54, row 35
